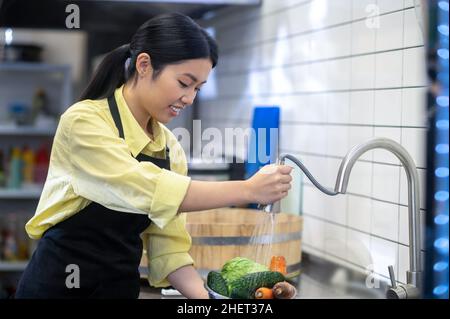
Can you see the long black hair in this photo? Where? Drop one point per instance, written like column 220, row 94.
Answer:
column 168, row 39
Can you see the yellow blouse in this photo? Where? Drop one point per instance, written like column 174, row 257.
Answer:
column 90, row 162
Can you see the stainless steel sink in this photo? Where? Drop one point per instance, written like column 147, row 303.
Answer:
column 322, row 279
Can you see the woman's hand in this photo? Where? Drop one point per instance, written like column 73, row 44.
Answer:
column 270, row 184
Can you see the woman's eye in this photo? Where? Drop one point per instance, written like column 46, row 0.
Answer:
column 184, row 85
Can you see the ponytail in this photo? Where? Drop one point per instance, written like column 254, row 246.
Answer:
column 109, row 75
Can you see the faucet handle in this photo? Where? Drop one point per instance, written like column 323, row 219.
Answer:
column 392, row 276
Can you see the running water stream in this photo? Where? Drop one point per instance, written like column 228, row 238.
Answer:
column 260, row 246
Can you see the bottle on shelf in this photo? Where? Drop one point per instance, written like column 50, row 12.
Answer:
column 15, row 169
column 10, row 248
column 39, row 104
column 28, row 159
column 23, row 252
column 42, row 163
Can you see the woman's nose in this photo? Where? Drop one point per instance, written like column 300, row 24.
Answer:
column 188, row 99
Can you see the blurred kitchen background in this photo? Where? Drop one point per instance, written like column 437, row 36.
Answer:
column 338, row 71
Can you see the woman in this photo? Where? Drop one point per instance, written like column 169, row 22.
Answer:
column 117, row 173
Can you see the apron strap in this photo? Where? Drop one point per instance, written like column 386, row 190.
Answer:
column 115, row 114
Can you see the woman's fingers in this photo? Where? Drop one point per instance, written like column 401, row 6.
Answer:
column 284, row 169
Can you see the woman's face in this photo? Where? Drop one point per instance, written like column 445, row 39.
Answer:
column 174, row 89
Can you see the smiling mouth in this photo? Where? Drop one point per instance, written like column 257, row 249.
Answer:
column 176, row 109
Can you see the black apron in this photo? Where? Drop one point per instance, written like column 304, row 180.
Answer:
column 103, row 244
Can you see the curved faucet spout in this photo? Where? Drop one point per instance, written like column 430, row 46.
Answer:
column 414, row 275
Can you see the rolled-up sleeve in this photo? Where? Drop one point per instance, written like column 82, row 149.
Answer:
column 103, row 170
column 167, row 250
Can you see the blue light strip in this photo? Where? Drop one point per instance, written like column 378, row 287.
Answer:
column 441, row 173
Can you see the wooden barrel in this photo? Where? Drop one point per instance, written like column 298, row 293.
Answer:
column 219, row 235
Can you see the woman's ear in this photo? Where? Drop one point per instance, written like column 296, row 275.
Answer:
column 143, row 65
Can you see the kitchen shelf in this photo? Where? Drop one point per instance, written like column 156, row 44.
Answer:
column 21, row 193
column 27, row 130
column 30, row 66
column 13, row 265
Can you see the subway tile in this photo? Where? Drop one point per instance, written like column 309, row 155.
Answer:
column 414, row 67
column 337, row 140
column 318, row 166
column 273, row 27
column 300, row 48
column 408, row 3
column 390, row 34
column 281, row 81
column 338, row 106
column 336, row 209
column 388, row 107
column 329, row 43
column 294, row 108
column 386, row 182
column 358, row 135
column 298, row 19
column 287, row 142
column 422, row 187
column 313, row 202
column 314, row 233
column 389, row 5
column 384, row 253
column 362, row 107
column 358, row 248
column 403, row 263
column 413, row 33
column 335, row 240
column 363, row 38
column 269, row 7
column 363, row 70
column 385, row 220
column 415, row 141
column 317, row 139
column 254, row 83
column 414, row 107
column 382, row 155
column 318, row 80
column 360, row 181
column 301, row 76
column 388, row 69
column 363, row 8
column 317, row 103
column 339, row 11
column 339, row 75
column 359, row 213
column 268, row 55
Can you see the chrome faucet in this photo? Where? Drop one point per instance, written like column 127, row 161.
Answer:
column 414, row 274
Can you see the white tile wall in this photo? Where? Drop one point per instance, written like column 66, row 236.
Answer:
column 388, row 69
column 342, row 72
column 360, row 213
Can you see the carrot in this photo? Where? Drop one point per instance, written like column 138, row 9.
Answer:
column 264, row 293
column 284, row 290
column 278, row 263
